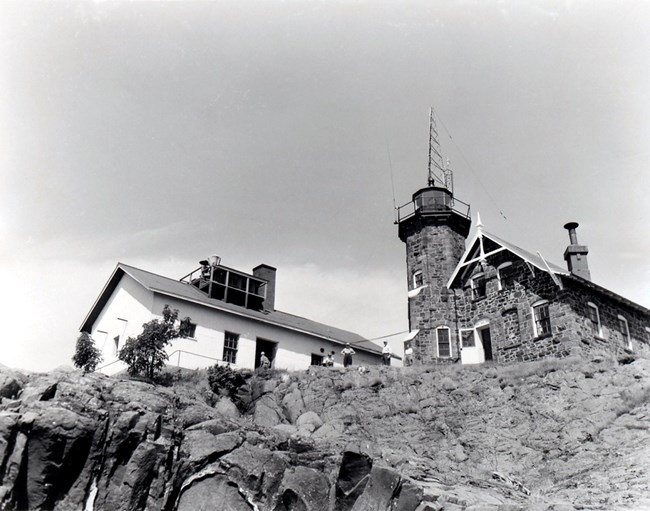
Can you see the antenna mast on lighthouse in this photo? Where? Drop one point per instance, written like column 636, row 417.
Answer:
column 438, row 171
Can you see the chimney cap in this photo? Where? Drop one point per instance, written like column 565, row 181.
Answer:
column 571, row 225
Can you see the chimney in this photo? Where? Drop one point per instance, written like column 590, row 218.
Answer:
column 575, row 255
column 264, row 271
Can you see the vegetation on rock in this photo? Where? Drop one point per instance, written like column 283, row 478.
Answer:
column 86, row 356
column 226, row 381
column 145, row 354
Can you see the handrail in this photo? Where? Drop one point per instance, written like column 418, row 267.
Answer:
column 169, row 358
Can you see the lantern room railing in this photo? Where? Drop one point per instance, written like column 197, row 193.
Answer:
column 421, row 206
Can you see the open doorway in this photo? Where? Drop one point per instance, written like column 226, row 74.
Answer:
column 486, row 340
column 268, row 347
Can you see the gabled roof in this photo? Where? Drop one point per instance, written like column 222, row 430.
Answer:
column 186, row 292
column 476, row 252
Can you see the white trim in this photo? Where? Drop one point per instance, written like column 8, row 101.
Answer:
column 591, row 305
column 411, row 335
column 414, row 292
column 555, row 278
column 499, row 268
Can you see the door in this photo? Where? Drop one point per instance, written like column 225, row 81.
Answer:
column 471, row 347
column 268, row 347
column 486, row 341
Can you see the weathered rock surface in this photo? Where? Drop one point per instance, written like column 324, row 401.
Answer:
column 552, row 435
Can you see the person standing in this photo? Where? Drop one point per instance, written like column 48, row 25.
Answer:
column 408, row 356
column 265, row 363
column 385, row 354
column 347, row 353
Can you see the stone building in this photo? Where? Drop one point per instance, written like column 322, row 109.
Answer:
column 496, row 301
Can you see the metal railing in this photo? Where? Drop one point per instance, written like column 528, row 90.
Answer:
column 170, row 360
column 410, row 209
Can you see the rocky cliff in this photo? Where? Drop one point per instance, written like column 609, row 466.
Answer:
column 558, row 434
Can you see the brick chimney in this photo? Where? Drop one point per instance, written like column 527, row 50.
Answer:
column 575, row 255
column 264, row 271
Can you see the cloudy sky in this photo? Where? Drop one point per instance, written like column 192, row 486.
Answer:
column 155, row 134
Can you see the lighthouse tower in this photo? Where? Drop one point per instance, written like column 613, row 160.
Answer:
column 434, row 227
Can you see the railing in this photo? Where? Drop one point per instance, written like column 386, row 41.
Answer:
column 410, row 209
column 178, row 361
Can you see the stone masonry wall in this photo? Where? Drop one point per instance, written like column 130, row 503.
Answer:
column 435, row 250
column 510, row 314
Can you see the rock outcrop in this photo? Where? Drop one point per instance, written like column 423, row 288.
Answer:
column 558, row 434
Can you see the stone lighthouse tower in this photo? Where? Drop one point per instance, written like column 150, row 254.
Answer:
column 434, row 227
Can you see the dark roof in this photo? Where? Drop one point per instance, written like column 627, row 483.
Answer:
column 181, row 290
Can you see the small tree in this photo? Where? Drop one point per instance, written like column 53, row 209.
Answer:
column 145, row 354
column 86, row 355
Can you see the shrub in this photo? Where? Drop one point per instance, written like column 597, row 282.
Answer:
column 225, row 381
column 145, row 354
column 86, row 355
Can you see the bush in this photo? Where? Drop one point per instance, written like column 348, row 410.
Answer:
column 145, row 354
column 86, row 356
column 225, row 381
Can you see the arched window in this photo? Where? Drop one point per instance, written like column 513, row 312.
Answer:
column 594, row 319
column 506, row 275
column 478, row 286
column 418, row 280
column 625, row 331
column 541, row 318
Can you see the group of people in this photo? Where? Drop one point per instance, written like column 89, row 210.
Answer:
column 347, row 353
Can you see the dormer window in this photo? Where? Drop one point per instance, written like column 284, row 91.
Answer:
column 594, row 319
column 625, row 331
column 418, row 279
column 506, row 275
column 478, row 286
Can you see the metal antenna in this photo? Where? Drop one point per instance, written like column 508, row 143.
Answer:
column 436, row 168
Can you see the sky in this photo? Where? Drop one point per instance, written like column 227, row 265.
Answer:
column 284, row 132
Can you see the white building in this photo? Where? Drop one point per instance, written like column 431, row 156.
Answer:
column 233, row 320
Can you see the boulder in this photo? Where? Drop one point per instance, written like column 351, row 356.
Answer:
column 293, row 405
column 215, row 492
column 379, row 491
column 352, row 479
column 227, row 408
column 303, row 488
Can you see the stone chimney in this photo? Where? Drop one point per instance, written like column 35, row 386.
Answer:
column 264, row 271
column 575, row 255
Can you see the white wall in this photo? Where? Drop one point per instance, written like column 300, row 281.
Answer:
column 131, row 302
column 294, row 349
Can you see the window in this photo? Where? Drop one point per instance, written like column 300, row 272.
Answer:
column 316, row 360
column 625, row 331
column 190, row 330
column 418, row 279
column 506, row 275
column 444, row 349
column 542, row 320
column 478, row 286
column 116, row 348
column 594, row 319
column 230, row 344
